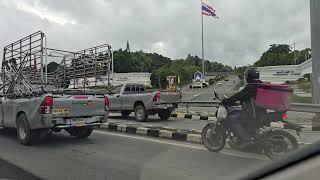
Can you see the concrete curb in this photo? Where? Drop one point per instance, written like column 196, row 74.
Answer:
column 158, row 132
column 193, row 116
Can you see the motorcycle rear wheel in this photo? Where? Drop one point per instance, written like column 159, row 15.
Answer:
column 214, row 139
column 278, row 142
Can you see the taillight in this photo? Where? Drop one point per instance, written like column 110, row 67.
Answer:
column 107, row 101
column 156, row 97
column 283, row 116
column 46, row 105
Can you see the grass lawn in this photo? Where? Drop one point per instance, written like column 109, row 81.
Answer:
column 299, row 99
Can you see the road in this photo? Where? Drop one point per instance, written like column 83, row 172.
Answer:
column 206, row 94
column 108, row 155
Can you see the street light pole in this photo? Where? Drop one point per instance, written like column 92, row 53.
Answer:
column 202, row 45
column 315, row 46
column 294, row 53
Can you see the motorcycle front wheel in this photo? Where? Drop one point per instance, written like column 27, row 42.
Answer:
column 279, row 143
column 214, row 137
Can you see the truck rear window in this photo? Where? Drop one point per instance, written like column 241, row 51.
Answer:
column 134, row 88
column 127, row 88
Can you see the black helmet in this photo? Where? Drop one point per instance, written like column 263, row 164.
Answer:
column 250, row 75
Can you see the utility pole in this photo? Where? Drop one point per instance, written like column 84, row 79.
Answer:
column 294, row 53
column 315, row 46
column 202, row 45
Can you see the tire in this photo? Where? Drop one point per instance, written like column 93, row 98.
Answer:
column 140, row 113
column 24, row 133
column 220, row 133
column 274, row 146
column 80, row 132
column 125, row 114
column 164, row 114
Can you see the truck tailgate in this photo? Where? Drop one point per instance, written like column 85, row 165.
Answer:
column 169, row 97
column 78, row 105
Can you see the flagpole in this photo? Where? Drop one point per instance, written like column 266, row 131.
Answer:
column 202, row 44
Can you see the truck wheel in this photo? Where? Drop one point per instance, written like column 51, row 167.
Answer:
column 25, row 135
column 80, row 132
column 164, row 114
column 140, row 113
column 125, row 114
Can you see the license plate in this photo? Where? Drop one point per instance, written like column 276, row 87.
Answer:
column 78, row 121
column 60, row 111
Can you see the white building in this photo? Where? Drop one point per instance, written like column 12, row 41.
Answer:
column 120, row 78
column 281, row 74
column 115, row 79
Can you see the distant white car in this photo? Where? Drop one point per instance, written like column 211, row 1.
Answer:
column 219, row 83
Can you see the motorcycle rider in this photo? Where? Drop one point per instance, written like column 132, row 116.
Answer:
column 242, row 120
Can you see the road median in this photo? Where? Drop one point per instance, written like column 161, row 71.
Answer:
column 165, row 132
column 187, row 135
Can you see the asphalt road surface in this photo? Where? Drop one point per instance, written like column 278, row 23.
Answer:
column 106, row 155
column 206, row 94
column 10, row 171
column 307, row 136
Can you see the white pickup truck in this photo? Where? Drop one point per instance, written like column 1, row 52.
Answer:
column 131, row 97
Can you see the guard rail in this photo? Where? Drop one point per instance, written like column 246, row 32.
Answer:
column 297, row 107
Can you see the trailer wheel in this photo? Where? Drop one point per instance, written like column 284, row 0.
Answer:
column 164, row 114
column 140, row 113
column 25, row 135
column 80, row 132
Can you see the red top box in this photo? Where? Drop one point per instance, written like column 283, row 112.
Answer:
column 273, row 96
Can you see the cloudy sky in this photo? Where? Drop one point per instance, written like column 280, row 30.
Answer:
column 244, row 30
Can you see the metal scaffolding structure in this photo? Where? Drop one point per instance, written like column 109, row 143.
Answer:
column 24, row 66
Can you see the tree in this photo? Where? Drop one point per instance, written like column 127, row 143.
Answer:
column 240, row 71
column 281, row 54
column 161, row 66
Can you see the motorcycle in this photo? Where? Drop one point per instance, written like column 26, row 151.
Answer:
column 270, row 136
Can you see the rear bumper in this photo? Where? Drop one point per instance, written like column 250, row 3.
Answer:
column 93, row 125
column 66, row 122
column 197, row 85
column 165, row 106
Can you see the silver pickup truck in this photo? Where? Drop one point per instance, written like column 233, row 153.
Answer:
column 129, row 98
column 34, row 117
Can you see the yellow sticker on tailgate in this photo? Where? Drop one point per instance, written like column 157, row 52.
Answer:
column 60, row 111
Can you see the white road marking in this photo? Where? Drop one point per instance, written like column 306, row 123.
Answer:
column 242, row 155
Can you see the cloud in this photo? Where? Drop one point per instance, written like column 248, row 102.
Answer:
column 43, row 13
column 244, row 30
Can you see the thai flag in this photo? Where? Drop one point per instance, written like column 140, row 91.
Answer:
column 208, row 10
